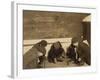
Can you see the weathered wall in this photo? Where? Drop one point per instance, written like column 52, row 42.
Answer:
column 40, row 25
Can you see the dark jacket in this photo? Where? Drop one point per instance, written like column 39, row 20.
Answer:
column 84, row 53
column 71, row 52
column 55, row 53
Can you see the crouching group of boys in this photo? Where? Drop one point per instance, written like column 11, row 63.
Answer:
column 78, row 51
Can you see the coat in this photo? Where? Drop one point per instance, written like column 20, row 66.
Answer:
column 71, row 52
column 30, row 58
column 83, row 51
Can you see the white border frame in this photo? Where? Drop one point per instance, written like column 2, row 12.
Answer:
column 17, row 28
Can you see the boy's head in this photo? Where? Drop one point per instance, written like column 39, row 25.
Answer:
column 57, row 45
column 43, row 43
column 75, row 41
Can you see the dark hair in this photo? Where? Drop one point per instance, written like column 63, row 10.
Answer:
column 43, row 43
column 75, row 39
column 52, row 47
column 59, row 43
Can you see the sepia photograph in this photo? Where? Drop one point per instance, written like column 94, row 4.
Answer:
column 53, row 39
